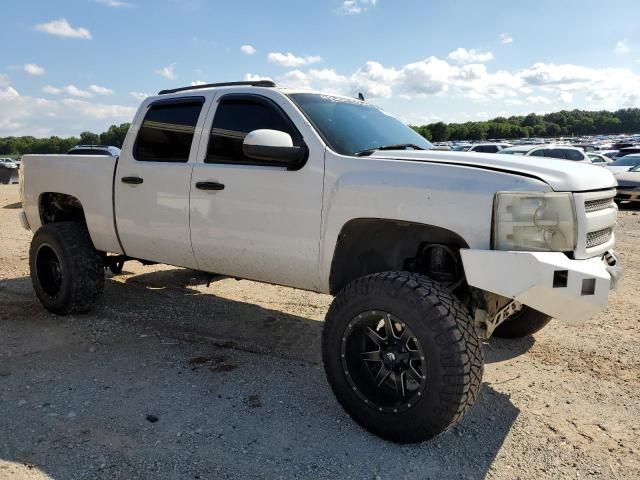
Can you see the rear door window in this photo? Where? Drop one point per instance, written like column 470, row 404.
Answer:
column 167, row 131
column 575, row 155
column 554, row 153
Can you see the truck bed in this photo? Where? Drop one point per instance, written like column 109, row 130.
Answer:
column 88, row 178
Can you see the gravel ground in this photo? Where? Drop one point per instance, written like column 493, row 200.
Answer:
column 169, row 378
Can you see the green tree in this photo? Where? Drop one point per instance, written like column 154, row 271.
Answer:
column 115, row 135
column 439, row 131
column 89, row 138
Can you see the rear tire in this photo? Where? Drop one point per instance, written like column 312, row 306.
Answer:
column 67, row 272
column 521, row 324
column 434, row 374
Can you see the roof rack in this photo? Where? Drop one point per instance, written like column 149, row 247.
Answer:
column 252, row 83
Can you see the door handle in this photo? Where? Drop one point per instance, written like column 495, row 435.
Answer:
column 209, row 186
column 132, row 180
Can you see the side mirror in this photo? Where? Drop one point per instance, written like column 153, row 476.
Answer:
column 272, row 146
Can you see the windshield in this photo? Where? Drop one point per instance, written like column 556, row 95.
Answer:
column 626, row 161
column 351, row 126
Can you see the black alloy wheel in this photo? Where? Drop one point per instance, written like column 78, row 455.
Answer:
column 383, row 361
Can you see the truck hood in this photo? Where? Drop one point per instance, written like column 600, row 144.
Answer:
column 560, row 175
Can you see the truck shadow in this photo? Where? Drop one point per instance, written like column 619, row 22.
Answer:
column 91, row 380
column 248, row 326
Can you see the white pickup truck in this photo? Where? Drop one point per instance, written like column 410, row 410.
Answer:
column 426, row 252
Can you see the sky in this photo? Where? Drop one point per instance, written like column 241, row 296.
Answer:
column 68, row 66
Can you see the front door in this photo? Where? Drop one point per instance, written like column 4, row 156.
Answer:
column 263, row 221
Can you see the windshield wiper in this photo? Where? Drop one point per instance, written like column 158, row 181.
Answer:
column 399, row 146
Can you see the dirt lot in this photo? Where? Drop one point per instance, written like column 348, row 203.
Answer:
column 169, row 378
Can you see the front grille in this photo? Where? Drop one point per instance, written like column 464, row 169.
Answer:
column 596, row 205
column 599, row 237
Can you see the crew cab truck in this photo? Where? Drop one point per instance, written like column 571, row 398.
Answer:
column 426, row 252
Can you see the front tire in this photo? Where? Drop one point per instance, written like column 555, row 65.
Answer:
column 402, row 355
column 67, row 272
column 522, row 324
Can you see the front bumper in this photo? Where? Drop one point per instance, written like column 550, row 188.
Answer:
column 550, row 282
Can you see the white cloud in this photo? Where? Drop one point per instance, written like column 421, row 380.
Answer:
column 506, row 39
column 26, row 115
column 74, row 91
column 4, row 80
column 138, row 95
column 168, row 72
column 374, row 80
column 195, row 83
column 566, row 97
column 550, row 74
column 290, row 60
column 250, row 77
column 51, row 90
column 248, row 49
column 622, row 47
column 33, row 69
column 100, row 90
column 61, row 28
column 540, row 83
column 538, row 99
column 114, row 3
column 462, row 55
column 331, row 81
column 604, row 88
column 428, row 76
column 354, row 7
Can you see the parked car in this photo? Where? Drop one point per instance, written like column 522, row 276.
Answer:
column 628, row 185
column 486, row 147
column 598, row 159
column 94, row 150
column 8, row 163
column 608, row 153
column 8, row 171
column 623, row 152
column 562, row 152
column 624, row 164
column 425, row 251
column 586, row 147
column 460, row 147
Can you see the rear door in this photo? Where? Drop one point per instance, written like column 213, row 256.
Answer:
column 264, row 221
column 153, row 180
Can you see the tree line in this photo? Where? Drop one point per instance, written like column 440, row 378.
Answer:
column 558, row 124
column 16, row 146
column 563, row 123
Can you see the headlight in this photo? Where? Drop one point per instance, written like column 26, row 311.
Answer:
column 534, row 221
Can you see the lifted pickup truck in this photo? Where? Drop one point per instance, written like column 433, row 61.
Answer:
column 426, row 252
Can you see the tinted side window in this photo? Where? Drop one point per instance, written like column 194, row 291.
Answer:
column 89, row 151
column 167, row 132
column 554, row 153
column 537, row 153
column 485, row 149
column 573, row 155
column 234, row 119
